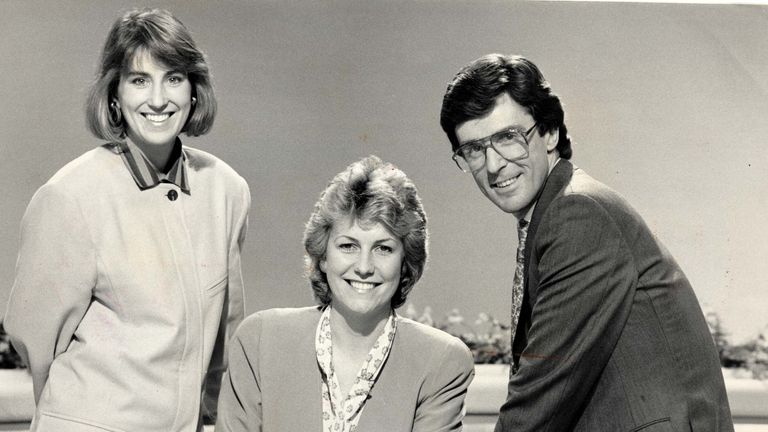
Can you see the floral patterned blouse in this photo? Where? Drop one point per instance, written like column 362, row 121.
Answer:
column 342, row 412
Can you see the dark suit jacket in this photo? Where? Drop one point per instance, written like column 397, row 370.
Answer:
column 274, row 383
column 611, row 336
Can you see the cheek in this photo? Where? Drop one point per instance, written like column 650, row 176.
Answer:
column 184, row 94
column 542, row 170
column 395, row 269
column 335, row 263
column 125, row 94
column 481, row 179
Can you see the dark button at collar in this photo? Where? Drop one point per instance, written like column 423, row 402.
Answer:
column 172, row 195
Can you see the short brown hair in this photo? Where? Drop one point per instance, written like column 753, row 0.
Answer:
column 166, row 39
column 370, row 191
column 473, row 91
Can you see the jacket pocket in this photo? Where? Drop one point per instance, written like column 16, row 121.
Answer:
column 217, row 287
column 658, row 425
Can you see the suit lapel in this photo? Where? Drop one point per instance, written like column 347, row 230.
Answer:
column 299, row 405
column 311, row 399
column 556, row 180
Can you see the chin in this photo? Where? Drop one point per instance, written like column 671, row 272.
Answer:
column 514, row 204
column 506, row 206
column 367, row 311
column 363, row 310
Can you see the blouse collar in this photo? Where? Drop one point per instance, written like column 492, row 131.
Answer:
column 144, row 172
column 342, row 412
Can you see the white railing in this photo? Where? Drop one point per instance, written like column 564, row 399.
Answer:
column 748, row 398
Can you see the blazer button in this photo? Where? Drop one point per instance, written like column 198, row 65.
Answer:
column 172, row 195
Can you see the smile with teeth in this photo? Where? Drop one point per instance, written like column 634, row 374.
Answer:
column 362, row 286
column 506, row 182
column 157, row 118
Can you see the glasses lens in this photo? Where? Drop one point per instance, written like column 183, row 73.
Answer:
column 461, row 162
column 473, row 155
column 472, row 151
column 511, row 145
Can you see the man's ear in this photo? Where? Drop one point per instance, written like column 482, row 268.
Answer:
column 552, row 139
column 322, row 265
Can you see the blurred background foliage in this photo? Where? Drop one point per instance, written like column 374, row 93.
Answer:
column 488, row 339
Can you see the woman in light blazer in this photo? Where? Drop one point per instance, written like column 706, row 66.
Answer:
column 351, row 363
column 129, row 270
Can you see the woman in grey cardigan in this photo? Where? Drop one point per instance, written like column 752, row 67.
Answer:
column 351, row 363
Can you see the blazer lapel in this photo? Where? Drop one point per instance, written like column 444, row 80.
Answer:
column 299, row 404
column 311, row 399
column 556, row 180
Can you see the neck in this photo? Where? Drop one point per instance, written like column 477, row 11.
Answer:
column 355, row 332
column 552, row 159
column 525, row 213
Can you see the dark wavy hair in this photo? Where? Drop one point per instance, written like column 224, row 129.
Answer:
column 370, row 191
column 473, row 91
column 167, row 40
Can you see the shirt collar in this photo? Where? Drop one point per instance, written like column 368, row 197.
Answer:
column 146, row 175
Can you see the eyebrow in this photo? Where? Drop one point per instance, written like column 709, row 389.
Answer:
column 143, row 73
column 518, row 128
column 378, row 241
column 388, row 239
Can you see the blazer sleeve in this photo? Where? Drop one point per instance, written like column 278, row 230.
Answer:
column 586, row 282
column 239, row 406
column 441, row 408
column 233, row 313
column 55, row 276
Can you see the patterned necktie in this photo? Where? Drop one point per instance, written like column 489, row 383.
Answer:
column 518, row 282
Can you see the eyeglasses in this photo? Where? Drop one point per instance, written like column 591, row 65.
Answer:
column 511, row 144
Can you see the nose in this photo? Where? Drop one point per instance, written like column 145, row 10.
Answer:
column 364, row 265
column 493, row 160
column 158, row 99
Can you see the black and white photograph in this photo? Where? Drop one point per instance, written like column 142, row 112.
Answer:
column 488, row 216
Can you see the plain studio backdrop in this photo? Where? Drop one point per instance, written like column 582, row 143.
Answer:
column 668, row 104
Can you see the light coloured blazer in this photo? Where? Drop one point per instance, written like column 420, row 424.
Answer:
column 122, row 297
column 274, row 385
column 611, row 336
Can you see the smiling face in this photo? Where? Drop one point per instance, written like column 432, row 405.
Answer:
column 154, row 101
column 512, row 186
column 363, row 267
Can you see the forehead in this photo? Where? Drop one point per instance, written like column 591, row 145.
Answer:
column 144, row 61
column 350, row 226
column 505, row 113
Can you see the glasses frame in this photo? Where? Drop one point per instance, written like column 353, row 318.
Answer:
column 488, row 142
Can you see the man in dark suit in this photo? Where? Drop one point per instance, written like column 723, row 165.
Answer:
column 607, row 332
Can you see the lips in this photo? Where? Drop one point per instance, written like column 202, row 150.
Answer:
column 157, row 118
column 506, row 183
column 362, row 287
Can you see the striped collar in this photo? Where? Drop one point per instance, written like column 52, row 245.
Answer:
column 144, row 172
